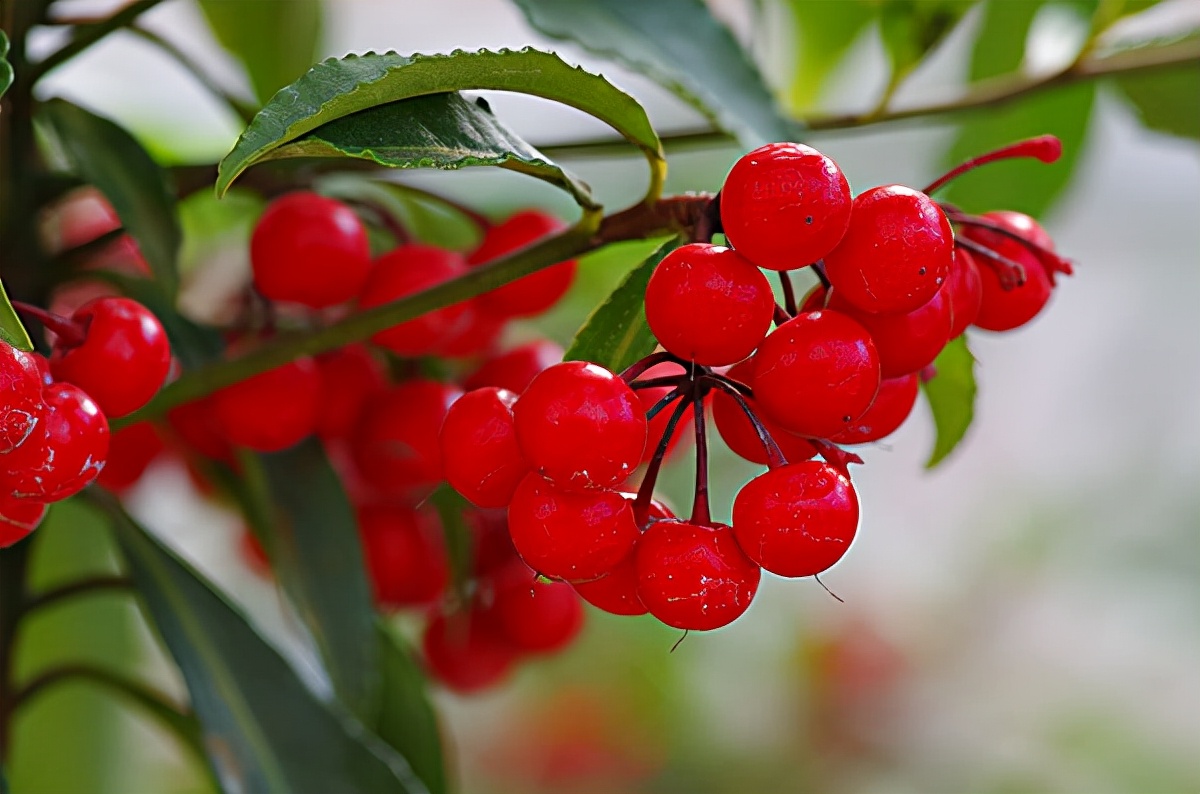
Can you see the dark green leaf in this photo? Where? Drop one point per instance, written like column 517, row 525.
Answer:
column 443, row 131
column 3, row 781
column 682, row 46
column 1166, row 101
column 336, row 88
column 316, row 553
column 111, row 159
column 450, row 506
column 910, row 29
column 1000, row 45
column 275, row 41
column 6, row 72
column 823, row 33
column 11, row 329
column 951, row 395
column 407, row 720
column 263, row 729
column 616, row 334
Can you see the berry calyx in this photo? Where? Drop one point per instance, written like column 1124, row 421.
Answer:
column 407, row 270
column 785, row 205
column 273, row 410
column 532, row 294
column 65, row 453
column 480, row 455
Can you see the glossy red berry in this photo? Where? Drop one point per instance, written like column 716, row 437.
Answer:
column 785, row 205
column 891, row 407
column 405, row 555
column 535, row 293
column 738, row 431
column 896, row 253
column 21, row 407
column 657, row 427
column 615, row 593
column 395, row 443
column 581, row 426
column 120, row 336
column 694, row 577
column 407, row 270
column 273, row 410
column 708, row 304
column 18, row 519
column 906, row 341
column 465, row 653
column 1018, row 223
column 517, row 368
column 1003, row 309
column 796, row 520
column 964, row 289
column 130, row 451
column 536, row 617
column 65, row 452
column 309, row 249
column 480, row 455
column 195, row 428
column 574, row 536
column 349, row 378
column 816, row 373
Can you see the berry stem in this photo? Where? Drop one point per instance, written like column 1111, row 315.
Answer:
column 1011, row 274
column 789, row 292
column 1049, row 259
column 835, row 456
column 641, row 504
column 775, row 456
column 819, row 268
column 659, row 406
column 662, row 357
column 1046, row 148
column 781, row 315
column 665, row 380
column 709, row 222
column 700, row 511
column 69, row 332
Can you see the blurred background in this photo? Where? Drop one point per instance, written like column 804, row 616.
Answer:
column 1022, row 619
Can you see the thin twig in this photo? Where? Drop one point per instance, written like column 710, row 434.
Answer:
column 87, row 35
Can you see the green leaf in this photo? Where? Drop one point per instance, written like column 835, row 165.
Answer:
column 407, row 720
column 316, row 553
column 823, row 33
column 275, row 41
column 111, row 159
column 336, row 88
column 616, row 334
column 1165, row 100
column 680, row 45
column 951, row 396
column 443, row 131
column 11, row 329
column 450, row 506
column 263, row 730
column 3, row 779
column 6, row 77
column 910, row 30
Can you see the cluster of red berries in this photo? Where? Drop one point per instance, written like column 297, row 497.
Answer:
column 842, row 368
column 109, row 358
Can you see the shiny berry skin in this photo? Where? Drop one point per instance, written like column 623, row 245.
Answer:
column 1005, row 309
column 480, row 455
column 272, row 410
column 816, row 373
column 896, row 253
column 574, row 536
column 785, row 205
column 405, row 555
column 517, row 368
column 194, row 427
column 21, row 407
column 407, row 270
column 907, row 341
column 130, row 451
column 891, row 407
column 309, row 249
column 615, row 593
column 65, row 452
column 694, row 577
column 349, row 377
column 964, row 289
column 18, row 518
column 536, row 617
column 1017, row 223
column 532, row 294
column 796, row 520
column 737, row 431
column 707, row 304
column 465, row 653
column 121, row 336
column 395, row 443
column 581, row 426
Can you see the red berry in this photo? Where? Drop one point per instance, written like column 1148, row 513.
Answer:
column 478, row 335
column 21, row 408
column 517, row 368
column 906, row 341
column 130, row 450
column 569, row 535
column 537, row 617
column 694, row 577
column 18, row 518
column 657, row 427
column 480, row 456
column 272, row 410
column 120, row 336
column 581, row 426
column 785, row 205
column 410, row 269
column 195, row 425
column 707, row 304
column 964, row 289
column 395, row 443
column 891, row 407
column 896, row 253
column 1018, row 223
column 615, row 593
column 536, row 292
column 349, row 377
column 311, row 250
column 1003, row 309
column 796, row 520
column 405, row 555
column 816, row 373
column 465, row 653
column 738, row 431
column 65, row 452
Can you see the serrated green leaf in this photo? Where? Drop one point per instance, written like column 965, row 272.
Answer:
column 336, row 88
column 407, row 720
column 680, row 45
column 110, row 158
column 6, row 72
column 444, row 131
column 12, row 330
column 263, row 730
column 951, row 396
column 275, row 41
column 616, row 335
column 823, row 33
column 1165, row 101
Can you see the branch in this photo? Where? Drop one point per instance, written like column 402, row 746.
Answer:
column 86, row 36
column 242, row 110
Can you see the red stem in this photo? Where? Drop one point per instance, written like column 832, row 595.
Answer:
column 69, row 332
column 775, row 456
column 1010, row 273
column 700, row 511
column 1046, row 148
column 641, row 504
